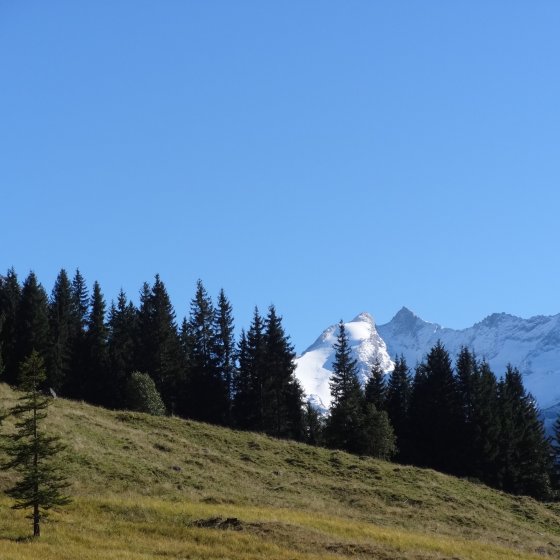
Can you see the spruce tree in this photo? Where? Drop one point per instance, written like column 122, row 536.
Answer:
column 313, row 425
column 31, row 451
column 158, row 345
column 467, row 379
column 282, row 395
column 80, row 306
column 344, row 427
column 225, row 350
column 524, row 459
column 379, row 436
column 556, row 457
column 10, row 294
column 248, row 407
column 122, row 327
column 98, row 386
column 242, row 405
column 485, row 426
column 399, row 389
column 376, row 388
column 32, row 328
column 435, row 416
column 207, row 393
column 60, row 321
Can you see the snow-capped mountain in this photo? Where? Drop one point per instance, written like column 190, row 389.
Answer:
column 532, row 345
column 314, row 366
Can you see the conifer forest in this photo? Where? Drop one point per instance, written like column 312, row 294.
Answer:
column 458, row 417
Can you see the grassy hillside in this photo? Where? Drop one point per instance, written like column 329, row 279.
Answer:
column 147, row 488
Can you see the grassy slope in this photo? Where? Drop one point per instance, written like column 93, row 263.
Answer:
column 147, row 488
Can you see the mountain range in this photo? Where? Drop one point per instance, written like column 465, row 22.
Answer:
column 532, row 345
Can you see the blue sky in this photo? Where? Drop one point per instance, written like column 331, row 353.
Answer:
column 327, row 157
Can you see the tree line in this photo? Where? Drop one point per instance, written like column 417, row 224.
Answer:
column 461, row 420
column 111, row 357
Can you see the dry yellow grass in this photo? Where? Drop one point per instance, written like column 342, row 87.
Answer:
column 147, row 487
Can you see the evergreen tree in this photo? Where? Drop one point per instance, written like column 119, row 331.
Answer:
column 243, row 398
column 344, row 427
column 485, row 426
column 225, row 350
column 10, row 294
column 435, row 417
column 31, row 451
column 98, row 386
column 74, row 386
column 313, row 425
column 32, row 328
column 467, row 379
column 282, row 397
column 556, row 457
column 207, row 393
column 248, row 407
column 122, row 333
column 376, row 387
column 379, row 435
column 158, row 344
column 60, row 321
column 524, row 459
column 397, row 405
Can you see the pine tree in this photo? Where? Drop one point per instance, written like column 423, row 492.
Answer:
column 158, row 348
column 344, row 427
column 249, row 377
column 376, row 388
column 313, row 424
column 435, row 413
column 207, row 393
column 556, row 456
column 32, row 328
column 399, row 389
column 74, row 386
column 242, row 405
column 282, row 395
column 379, row 436
column 225, row 350
column 485, row 423
column 467, row 379
column 10, row 294
column 60, row 321
column 122, row 326
column 31, row 451
column 524, row 459
column 98, row 384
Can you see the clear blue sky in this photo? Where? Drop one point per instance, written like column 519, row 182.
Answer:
column 328, row 157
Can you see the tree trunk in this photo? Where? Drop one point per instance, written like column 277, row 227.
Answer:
column 36, row 519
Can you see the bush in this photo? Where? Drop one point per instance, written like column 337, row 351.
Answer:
column 141, row 395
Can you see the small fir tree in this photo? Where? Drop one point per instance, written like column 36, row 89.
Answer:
column 31, row 451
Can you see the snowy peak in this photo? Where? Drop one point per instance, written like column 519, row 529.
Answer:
column 314, row 366
column 532, row 345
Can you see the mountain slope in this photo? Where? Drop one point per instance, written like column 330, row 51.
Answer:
column 532, row 345
column 147, row 488
column 314, row 366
